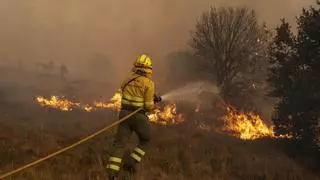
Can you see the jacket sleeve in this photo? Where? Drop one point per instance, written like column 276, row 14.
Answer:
column 149, row 96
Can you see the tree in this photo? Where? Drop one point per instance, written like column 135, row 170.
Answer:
column 282, row 59
column 294, row 77
column 232, row 45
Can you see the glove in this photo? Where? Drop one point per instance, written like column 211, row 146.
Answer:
column 157, row 99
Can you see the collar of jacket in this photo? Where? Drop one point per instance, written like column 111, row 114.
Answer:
column 141, row 73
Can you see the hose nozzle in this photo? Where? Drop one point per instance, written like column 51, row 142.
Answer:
column 157, row 98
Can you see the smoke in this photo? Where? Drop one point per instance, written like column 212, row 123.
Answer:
column 73, row 31
column 192, row 91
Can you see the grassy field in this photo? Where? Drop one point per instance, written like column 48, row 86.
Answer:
column 178, row 152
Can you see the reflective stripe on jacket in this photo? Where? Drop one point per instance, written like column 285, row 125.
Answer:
column 139, row 92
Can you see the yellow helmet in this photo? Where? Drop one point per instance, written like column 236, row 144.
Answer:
column 143, row 61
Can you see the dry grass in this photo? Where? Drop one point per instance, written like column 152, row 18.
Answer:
column 28, row 132
column 179, row 152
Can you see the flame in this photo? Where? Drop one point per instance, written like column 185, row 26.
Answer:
column 248, row 126
column 166, row 116
column 57, row 102
column 88, row 108
column 115, row 102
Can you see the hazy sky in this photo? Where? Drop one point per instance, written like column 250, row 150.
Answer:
column 74, row 30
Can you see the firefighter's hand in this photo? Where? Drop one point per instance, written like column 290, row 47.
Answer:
column 157, row 99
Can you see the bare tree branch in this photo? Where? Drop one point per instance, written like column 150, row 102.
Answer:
column 228, row 40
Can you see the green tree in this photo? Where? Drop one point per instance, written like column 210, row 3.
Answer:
column 294, row 75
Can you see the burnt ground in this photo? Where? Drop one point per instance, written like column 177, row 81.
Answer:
column 176, row 152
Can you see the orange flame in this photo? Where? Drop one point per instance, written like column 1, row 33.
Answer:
column 57, row 102
column 247, row 126
column 114, row 104
column 88, row 108
column 167, row 115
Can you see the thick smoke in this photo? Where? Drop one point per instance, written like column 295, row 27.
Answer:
column 74, row 31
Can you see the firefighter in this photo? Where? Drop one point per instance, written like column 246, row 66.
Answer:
column 137, row 91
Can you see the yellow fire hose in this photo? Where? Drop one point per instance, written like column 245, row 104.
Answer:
column 87, row 138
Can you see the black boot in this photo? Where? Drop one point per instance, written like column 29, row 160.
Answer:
column 112, row 175
column 129, row 171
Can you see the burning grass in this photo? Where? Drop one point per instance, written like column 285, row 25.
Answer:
column 183, row 153
column 247, row 126
column 244, row 125
column 57, row 102
column 164, row 116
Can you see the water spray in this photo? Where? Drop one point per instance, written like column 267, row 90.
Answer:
column 189, row 92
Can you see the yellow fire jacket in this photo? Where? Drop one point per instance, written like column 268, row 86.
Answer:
column 138, row 91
